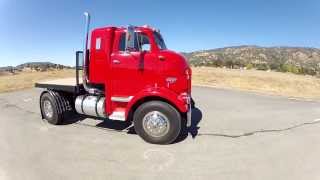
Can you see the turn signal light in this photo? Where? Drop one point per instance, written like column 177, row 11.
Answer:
column 188, row 73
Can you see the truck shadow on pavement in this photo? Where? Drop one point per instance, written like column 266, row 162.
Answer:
column 127, row 127
column 102, row 123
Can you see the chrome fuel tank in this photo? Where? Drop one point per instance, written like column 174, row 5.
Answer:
column 91, row 105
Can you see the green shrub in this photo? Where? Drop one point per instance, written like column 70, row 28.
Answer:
column 262, row 67
column 284, row 68
column 249, row 66
column 275, row 66
column 294, row 69
column 218, row 63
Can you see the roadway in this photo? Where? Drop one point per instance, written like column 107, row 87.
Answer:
column 234, row 135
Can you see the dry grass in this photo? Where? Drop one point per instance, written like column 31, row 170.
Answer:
column 284, row 84
column 275, row 83
column 28, row 79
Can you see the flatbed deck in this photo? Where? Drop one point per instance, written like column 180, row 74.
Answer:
column 65, row 84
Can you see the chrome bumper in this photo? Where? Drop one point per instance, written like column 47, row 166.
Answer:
column 189, row 113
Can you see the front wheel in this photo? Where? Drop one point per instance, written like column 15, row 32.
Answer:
column 157, row 122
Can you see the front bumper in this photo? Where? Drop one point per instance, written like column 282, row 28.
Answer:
column 187, row 100
column 189, row 115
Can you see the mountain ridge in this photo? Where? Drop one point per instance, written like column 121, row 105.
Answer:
column 298, row 60
column 33, row 66
column 253, row 46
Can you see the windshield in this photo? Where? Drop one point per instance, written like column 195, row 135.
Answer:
column 159, row 40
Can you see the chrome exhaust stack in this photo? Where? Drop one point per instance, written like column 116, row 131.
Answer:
column 86, row 86
column 94, row 103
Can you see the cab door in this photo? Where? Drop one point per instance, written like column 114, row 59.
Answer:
column 128, row 68
column 125, row 73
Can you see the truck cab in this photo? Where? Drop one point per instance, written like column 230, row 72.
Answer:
column 146, row 69
column 128, row 75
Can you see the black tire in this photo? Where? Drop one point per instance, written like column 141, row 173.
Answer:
column 55, row 119
column 172, row 115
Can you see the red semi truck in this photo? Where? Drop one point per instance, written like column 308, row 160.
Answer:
column 128, row 74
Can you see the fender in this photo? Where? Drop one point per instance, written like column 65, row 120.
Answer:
column 161, row 92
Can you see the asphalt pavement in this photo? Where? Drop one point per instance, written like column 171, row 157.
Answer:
column 234, row 135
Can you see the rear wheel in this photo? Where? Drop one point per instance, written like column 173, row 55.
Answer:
column 56, row 106
column 157, row 122
column 49, row 109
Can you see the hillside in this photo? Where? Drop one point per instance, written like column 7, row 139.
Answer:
column 32, row 67
column 297, row 60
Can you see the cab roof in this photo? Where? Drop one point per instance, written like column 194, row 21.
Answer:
column 121, row 28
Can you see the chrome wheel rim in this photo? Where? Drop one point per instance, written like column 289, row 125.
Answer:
column 47, row 108
column 156, row 124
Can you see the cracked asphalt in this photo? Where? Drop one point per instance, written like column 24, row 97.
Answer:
column 235, row 135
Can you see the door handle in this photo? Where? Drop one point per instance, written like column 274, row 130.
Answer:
column 116, row 61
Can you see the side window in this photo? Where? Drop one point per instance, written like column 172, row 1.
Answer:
column 122, row 42
column 143, row 44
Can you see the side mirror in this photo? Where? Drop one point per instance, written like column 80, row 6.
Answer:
column 130, row 39
column 79, row 60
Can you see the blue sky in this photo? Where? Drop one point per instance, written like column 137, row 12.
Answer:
column 45, row 30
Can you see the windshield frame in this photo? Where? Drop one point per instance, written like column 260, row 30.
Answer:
column 159, row 41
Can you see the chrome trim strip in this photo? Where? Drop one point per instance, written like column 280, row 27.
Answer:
column 121, row 99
